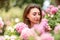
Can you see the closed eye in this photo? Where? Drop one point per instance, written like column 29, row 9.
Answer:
column 34, row 13
column 38, row 13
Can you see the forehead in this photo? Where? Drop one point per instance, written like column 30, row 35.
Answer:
column 34, row 10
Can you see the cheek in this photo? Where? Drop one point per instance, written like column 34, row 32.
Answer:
column 31, row 18
column 37, row 18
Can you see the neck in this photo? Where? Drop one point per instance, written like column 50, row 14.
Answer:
column 32, row 24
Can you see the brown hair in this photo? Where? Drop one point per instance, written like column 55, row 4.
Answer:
column 27, row 10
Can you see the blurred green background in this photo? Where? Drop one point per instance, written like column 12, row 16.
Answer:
column 11, row 12
column 11, row 9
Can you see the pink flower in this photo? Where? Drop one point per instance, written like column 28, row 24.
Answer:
column 8, row 23
column 42, row 27
column 57, row 29
column 48, row 10
column 26, row 33
column 54, row 10
column 58, row 6
column 39, row 29
column 20, row 27
column 47, row 36
column 2, row 38
column 1, row 23
column 51, row 6
column 43, row 13
column 45, row 24
column 44, row 20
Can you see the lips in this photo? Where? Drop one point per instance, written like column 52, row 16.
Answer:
column 36, row 19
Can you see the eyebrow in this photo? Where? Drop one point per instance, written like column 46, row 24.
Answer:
column 37, row 12
column 34, row 11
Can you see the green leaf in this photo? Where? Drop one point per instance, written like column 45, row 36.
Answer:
column 31, row 38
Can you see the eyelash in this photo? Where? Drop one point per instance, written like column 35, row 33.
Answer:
column 35, row 14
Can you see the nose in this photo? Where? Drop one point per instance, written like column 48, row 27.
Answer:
column 37, row 17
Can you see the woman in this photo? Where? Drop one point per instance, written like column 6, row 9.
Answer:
column 32, row 15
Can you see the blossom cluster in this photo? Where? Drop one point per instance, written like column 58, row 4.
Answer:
column 37, row 32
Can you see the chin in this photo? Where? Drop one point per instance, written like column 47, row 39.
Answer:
column 36, row 22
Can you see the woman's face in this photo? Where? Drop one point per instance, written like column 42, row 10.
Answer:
column 34, row 15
